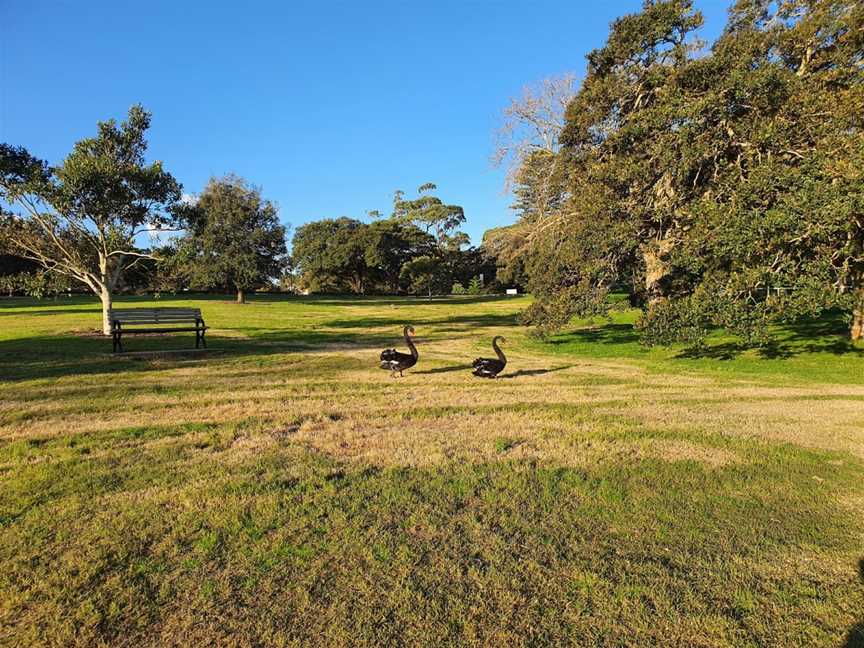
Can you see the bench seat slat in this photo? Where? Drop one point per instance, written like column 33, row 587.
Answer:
column 148, row 313
column 165, row 330
column 178, row 313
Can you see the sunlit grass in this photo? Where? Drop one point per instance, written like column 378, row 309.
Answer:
column 282, row 490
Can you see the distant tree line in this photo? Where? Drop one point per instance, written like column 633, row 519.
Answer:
column 417, row 249
column 80, row 225
column 720, row 187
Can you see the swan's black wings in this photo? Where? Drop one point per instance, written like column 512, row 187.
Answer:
column 393, row 359
column 488, row 367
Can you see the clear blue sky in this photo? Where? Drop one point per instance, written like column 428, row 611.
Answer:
column 329, row 106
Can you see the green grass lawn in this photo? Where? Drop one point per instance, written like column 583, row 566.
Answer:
column 282, row 490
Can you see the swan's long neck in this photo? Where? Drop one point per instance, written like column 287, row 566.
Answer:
column 498, row 350
column 410, row 342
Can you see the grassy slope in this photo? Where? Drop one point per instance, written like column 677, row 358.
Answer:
column 285, row 491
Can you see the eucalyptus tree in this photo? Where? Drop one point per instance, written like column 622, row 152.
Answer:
column 439, row 220
column 429, row 213
column 81, row 218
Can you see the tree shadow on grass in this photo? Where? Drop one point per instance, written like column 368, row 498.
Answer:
column 827, row 334
column 380, row 300
column 49, row 311
column 610, row 333
column 805, row 336
column 855, row 638
column 728, row 351
column 74, row 355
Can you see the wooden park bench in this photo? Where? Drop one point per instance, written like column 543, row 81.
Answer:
column 155, row 320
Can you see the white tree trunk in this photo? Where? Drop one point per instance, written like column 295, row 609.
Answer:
column 106, row 297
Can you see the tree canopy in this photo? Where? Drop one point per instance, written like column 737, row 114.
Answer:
column 431, row 214
column 345, row 254
column 389, row 255
column 80, row 219
column 234, row 238
column 720, row 187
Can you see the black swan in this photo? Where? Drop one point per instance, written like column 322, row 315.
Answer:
column 491, row 367
column 396, row 361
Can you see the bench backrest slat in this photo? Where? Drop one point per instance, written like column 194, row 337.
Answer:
column 154, row 315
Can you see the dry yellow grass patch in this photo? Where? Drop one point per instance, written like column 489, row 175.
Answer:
column 569, row 411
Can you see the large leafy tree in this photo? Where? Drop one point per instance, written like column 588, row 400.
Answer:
column 331, row 255
column 421, row 272
column 618, row 214
column 723, row 189
column 389, row 245
column 347, row 254
column 234, row 239
column 774, row 156
column 81, row 218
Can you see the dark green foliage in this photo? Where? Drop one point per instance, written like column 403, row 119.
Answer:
column 235, row 239
column 347, row 255
column 14, row 264
column 390, row 244
column 421, row 273
column 331, row 255
column 724, row 189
